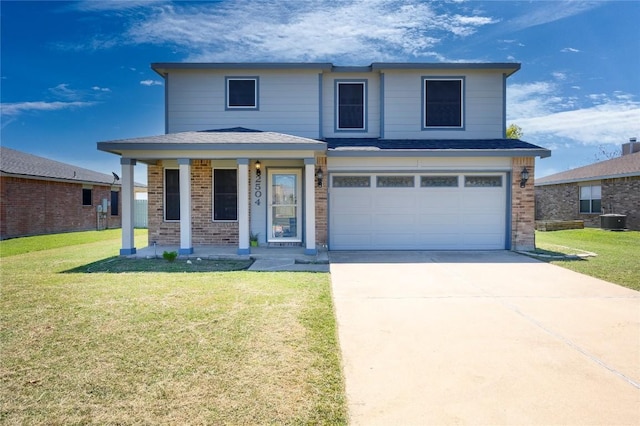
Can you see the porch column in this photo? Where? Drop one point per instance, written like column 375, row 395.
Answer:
column 127, row 206
column 310, row 206
column 243, row 206
column 185, row 206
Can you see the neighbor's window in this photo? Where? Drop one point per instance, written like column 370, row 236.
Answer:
column 172, row 194
column 443, row 103
column 351, row 105
column 115, row 198
column 225, row 194
column 87, row 195
column 590, row 199
column 242, row 92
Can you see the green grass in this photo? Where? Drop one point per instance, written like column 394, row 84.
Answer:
column 164, row 348
column 23, row 245
column 618, row 253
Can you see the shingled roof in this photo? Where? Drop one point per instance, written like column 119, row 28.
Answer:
column 624, row 166
column 436, row 147
column 21, row 164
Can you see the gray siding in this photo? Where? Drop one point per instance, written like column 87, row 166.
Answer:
column 288, row 102
column 483, row 105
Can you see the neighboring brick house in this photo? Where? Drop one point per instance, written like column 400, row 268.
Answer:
column 407, row 156
column 585, row 193
column 42, row 196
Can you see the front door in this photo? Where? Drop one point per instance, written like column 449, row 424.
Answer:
column 284, row 212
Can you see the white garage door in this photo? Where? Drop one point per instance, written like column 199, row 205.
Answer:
column 417, row 211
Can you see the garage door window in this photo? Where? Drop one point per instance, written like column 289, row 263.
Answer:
column 483, row 181
column 439, row 181
column 351, row 181
column 395, row 182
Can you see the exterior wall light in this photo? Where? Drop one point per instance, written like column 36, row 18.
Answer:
column 524, row 177
column 258, row 169
column 319, row 176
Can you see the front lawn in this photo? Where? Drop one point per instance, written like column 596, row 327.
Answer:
column 618, row 253
column 161, row 347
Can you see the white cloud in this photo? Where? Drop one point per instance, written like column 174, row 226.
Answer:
column 151, row 83
column 245, row 30
column 100, row 89
column 569, row 50
column 544, row 115
column 559, row 75
column 13, row 109
column 544, row 12
column 63, row 91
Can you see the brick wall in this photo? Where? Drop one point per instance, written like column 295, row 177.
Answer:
column 321, row 203
column 203, row 230
column 35, row 207
column 562, row 202
column 522, row 205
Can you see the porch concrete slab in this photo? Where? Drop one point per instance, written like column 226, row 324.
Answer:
column 483, row 338
column 285, row 259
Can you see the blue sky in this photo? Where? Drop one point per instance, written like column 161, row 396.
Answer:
column 76, row 73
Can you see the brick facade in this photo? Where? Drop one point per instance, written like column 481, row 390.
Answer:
column 562, row 201
column 203, row 230
column 322, row 216
column 36, row 207
column 522, row 205
column 207, row 232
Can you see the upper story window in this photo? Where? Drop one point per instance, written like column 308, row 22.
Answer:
column 242, row 92
column 590, row 199
column 351, row 101
column 225, row 194
column 171, row 194
column 443, row 103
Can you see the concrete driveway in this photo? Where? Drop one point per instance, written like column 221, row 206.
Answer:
column 431, row 338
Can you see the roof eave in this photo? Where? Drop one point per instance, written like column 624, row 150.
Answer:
column 377, row 152
column 120, row 147
column 588, row 179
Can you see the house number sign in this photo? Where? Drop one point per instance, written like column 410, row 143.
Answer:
column 257, row 189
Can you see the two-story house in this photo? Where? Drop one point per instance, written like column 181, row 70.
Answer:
column 407, row 156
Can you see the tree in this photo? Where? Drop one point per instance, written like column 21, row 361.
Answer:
column 514, row 132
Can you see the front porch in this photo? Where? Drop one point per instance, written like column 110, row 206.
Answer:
column 208, row 189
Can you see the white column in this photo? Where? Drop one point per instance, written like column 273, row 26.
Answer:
column 128, row 244
column 243, row 206
column 185, row 206
column 310, row 206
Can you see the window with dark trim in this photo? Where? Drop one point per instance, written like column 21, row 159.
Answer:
column 443, row 103
column 242, row 92
column 115, row 203
column 225, row 194
column 87, row 196
column 591, row 199
column 172, row 194
column 351, row 100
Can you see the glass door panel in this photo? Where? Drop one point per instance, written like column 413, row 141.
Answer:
column 284, row 210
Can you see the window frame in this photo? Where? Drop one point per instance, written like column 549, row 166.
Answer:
column 84, row 196
column 227, row 91
column 591, row 199
column 213, row 194
column 164, row 193
column 430, row 127
column 365, row 88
